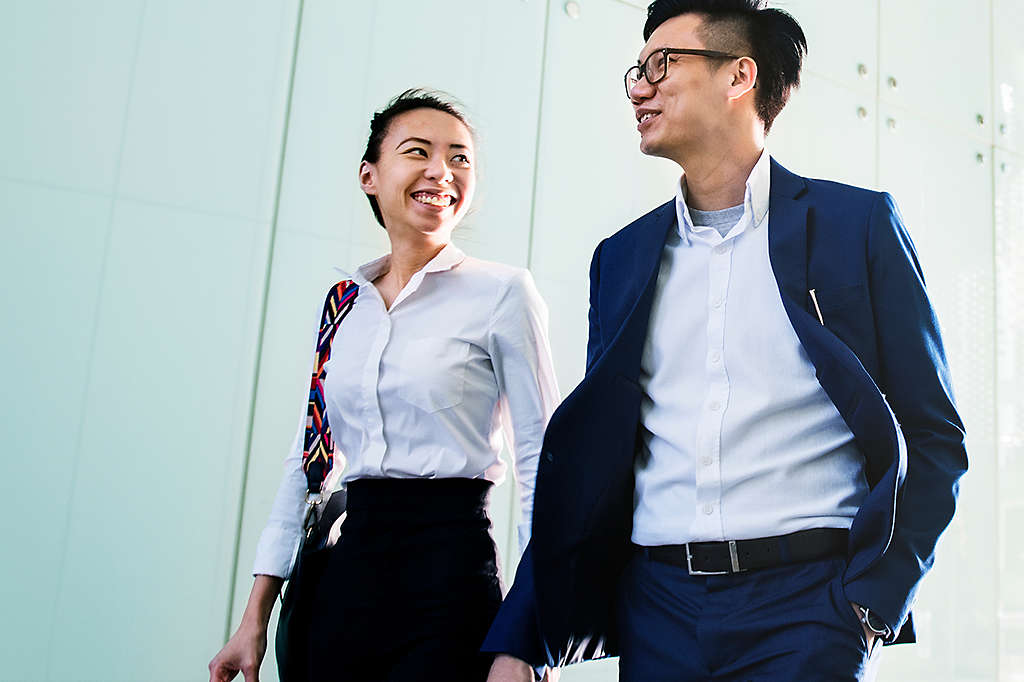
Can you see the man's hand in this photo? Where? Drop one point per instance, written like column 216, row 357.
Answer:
column 510, row 669
column 869, row 636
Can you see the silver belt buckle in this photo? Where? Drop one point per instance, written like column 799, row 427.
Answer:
column 732, row 555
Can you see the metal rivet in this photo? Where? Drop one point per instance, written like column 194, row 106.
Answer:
column 892, row 82
column 891, row 123
column 862, row 113
column 572, row 9
column 862, row 70
column 979, row 157
column 980, row 118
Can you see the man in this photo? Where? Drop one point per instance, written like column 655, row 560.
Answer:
column 751, row 479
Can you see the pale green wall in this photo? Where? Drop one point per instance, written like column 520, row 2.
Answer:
column 177, row 179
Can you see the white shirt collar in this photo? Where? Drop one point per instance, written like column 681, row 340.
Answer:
column 755, row 198
column 446, row 259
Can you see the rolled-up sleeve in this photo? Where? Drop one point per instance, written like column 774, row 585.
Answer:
column 279, row 542
column 521, row 356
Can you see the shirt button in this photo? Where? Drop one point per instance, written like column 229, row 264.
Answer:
column 715, row 406
column 706, row 461
column 715, row 357
column 709, row 509
column 718, row 302
column 722, row 249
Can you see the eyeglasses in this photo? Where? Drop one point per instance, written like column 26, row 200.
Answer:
column 655, row 67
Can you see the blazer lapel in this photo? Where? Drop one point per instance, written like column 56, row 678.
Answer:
column 787, row 234
column 637, row 291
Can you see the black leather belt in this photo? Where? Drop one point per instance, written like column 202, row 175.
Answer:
column 736, row 556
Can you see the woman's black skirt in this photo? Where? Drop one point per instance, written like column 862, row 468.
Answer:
column 411, row 587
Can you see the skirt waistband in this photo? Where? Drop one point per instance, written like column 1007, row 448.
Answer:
column 428, row 496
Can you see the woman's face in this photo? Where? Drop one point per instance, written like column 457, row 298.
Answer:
column 425, row 176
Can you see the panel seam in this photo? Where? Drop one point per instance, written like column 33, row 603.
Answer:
column 236, row 550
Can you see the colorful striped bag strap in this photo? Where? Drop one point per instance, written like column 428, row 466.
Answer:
column 318, row 452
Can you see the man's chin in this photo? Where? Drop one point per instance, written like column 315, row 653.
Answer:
column 650, row 148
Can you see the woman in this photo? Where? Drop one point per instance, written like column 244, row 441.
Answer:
column 440, row 354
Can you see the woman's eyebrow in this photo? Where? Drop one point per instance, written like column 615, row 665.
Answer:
column 414, row 139
column 429, row 143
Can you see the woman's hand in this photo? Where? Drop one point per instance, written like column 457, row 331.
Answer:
column 245, row 650
column 242, row 654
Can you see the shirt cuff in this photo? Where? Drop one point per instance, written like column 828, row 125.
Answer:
column 275, row 552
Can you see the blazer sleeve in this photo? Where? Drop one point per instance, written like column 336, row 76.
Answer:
column 595, row 347
column 515, row 629
column 915, row 378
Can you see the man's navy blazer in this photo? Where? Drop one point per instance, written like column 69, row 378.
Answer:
column 878, row 356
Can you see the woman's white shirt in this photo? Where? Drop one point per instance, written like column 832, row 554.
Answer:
column 429, row 388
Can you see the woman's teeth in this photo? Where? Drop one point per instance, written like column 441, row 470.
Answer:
column 432, row 199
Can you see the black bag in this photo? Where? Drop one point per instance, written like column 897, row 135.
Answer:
column 299, row 600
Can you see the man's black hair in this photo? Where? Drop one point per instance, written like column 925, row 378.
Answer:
column 771, row 37
column 414, row 98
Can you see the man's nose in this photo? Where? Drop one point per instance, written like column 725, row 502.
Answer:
column 641, row 90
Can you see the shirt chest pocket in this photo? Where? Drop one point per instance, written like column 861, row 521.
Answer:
column 434, row 373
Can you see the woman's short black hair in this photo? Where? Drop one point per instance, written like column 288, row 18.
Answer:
column 414, row 98
column 771, row 37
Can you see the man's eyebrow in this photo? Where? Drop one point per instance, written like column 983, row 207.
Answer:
column 641, row 61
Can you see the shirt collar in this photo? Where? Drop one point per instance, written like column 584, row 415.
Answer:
column 755, row 198
column 446, row 259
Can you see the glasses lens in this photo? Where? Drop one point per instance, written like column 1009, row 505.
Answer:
column 655, row 67
column 632, row 77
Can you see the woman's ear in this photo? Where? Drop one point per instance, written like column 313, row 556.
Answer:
column 368, row 177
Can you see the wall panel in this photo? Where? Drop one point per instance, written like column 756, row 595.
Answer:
column 949, row 215
column 827, row 131
column 935, row 61
column 1008, row 73
column 153, row 506
column 842, row 40
column 50, row 278
column 66, row 78
column 1009, row 255
column 591, row 177
column 203, row 128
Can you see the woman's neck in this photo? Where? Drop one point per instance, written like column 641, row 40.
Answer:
column 408, row 256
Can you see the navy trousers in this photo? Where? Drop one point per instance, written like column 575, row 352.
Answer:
column 787, row 623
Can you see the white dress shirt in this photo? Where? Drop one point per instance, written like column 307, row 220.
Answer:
column 739, row 438
column 429, row 388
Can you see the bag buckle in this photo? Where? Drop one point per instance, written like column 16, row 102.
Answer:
column 313, row 501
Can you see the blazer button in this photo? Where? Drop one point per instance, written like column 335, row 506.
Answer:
column 549, row 457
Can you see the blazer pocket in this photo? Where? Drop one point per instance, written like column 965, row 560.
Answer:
column 434, row 373
column 836, row 298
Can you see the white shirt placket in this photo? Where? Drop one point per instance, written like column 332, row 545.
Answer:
column 708, row 516
column 374, row 419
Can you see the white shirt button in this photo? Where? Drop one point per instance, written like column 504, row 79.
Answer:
column 707, row 460
column 709, row 509
column 718, row 302
column 715, row 357
column 715, row 406
column 721, row 249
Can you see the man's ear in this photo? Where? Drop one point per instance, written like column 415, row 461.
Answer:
column 368, row 177
column 744, row 77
